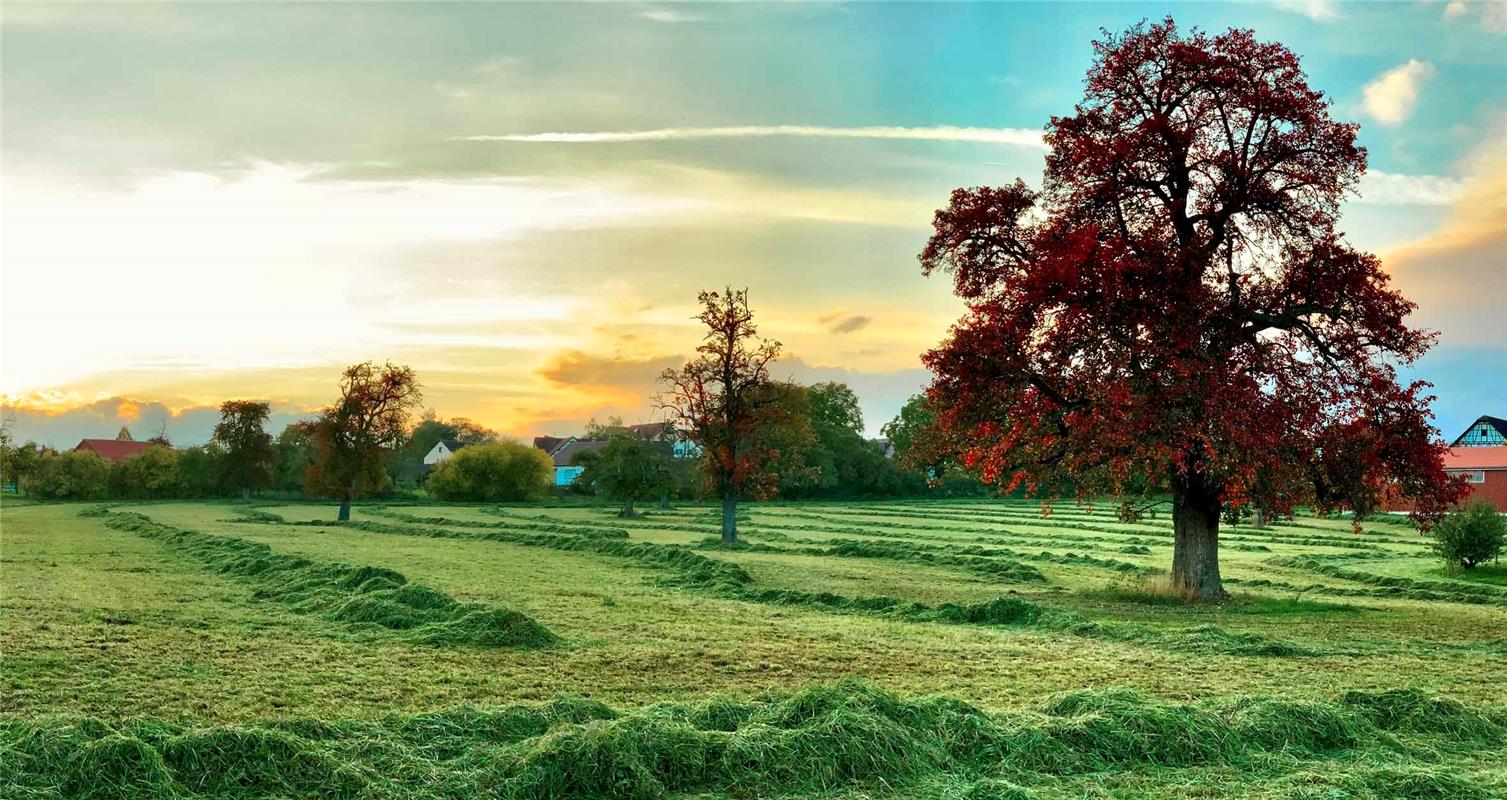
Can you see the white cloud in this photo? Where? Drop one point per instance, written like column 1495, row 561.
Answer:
column 1388, row 188
column 671, row 17
column 1390, row 98
column 1317, row 10
column 939, row 133
column 1493, row 13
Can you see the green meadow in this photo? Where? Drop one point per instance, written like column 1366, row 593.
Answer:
column 940, row 649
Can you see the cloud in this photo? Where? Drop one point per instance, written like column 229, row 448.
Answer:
column 1492, row 13
column 1390, row 98
column 1020, row 137
column 841, row 321
column 1317, row 10
column 32, row 419
column 1457, row 274
column 671, row 16
column 1388, row 188
column 580, row 369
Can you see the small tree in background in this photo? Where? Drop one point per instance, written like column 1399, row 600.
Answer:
column 152, row 474
column 74, row 475
column 494, row 472
column 249, row 461
column 721, row 400
column 1470, row 535
column 295, row 454
column 626, row 471
column 354, row 437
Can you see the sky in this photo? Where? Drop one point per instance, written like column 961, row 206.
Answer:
column 211, row 202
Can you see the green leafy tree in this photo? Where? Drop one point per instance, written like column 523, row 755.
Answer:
column 295, row 454
column 503, row 471
column 199, row 470
column 354, row 438
column 74, row 475
column 1470, row 535
column 151, row 474
column 18, row 464
column 626, row 471
column 430, row 431
column 250, row 459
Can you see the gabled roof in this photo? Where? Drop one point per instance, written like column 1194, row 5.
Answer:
column 565, row 455
column 1476, row 458
column 650, row 431
column 114, row 449
column 1496, row 423
column 550, row 444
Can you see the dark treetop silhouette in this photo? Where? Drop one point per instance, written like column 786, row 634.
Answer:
column 724, row 401
column 354, row 438
column 1175, row 310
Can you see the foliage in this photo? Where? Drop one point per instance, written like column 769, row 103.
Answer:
column 1176, row 305
column 18, row 463
column 722, row 399
column 627, row 471
column 430, row 431
column 354, row 437
column 152, row 474
column 1471, row 535
column 73, row 475
column 503, row 471
column 249, row 459
column 295, row 454
column 199, row 470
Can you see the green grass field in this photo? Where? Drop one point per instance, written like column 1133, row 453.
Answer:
column 859, row 650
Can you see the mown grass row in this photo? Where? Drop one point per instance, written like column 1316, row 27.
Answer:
column 983, row 515
column 1397, row 585
column 358, row 595
column 816, row 742
column 689, row 569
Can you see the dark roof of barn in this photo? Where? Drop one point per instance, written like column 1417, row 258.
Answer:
column 550, row 444
column 565, row 456
column 1499, row 424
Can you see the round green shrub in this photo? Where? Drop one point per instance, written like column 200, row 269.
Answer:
column 1470, row 535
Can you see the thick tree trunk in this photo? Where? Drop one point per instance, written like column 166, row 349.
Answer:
column 729, row 518
column 345, row 503
column 664, row 500
column 627, row 511
column 1195, row 541
column 245, row 494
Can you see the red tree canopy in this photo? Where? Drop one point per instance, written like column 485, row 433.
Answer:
column 1175, row 309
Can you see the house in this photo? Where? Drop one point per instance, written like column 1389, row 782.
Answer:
column 665, row 433
column 441, row 452
column 115, row 450
column 1484, row 432
column 1485, row 471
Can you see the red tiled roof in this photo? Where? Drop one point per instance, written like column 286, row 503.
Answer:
column 1476, row 458
column 117, row 450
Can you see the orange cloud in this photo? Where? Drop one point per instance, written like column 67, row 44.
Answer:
column 1458, row 275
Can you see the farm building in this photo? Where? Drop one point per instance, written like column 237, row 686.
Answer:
column 564, row 449
column 1485, row 470
column 1484, row 432
column 114, row 449
column 441, row 452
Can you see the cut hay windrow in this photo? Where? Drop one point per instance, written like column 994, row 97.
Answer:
column 1458, row 591
column 358, row 595
column 825, row 740
column 690, row 570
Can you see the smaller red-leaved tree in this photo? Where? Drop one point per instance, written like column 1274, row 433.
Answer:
column 725, row 402
column 1176, row 312
column 354, row 438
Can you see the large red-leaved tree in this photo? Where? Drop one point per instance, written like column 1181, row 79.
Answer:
column 1175, row 310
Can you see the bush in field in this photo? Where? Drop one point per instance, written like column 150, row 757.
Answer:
column 74, row 475
column 1470, row 535
column 503, row 471
column 627, row 471
column 150, row 474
